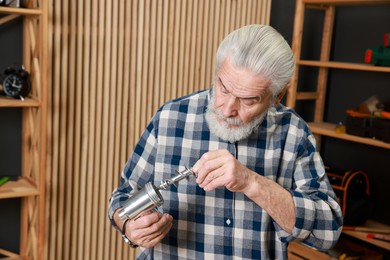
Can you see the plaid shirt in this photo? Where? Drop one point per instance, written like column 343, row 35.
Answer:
column 221, row 224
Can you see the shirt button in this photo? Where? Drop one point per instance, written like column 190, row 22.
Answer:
column 228, row 221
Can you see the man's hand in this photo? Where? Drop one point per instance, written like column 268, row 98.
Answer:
column 220, row 168
column 148, row 229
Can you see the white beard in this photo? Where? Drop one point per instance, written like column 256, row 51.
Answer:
column 219, row 124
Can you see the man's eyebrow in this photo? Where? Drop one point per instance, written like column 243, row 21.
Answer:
column 260, row 97
column 257, row 98
column 220, row 80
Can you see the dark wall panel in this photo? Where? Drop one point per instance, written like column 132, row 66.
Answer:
column 356, row 28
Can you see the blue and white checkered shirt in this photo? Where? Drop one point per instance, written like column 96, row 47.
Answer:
column 221, row 224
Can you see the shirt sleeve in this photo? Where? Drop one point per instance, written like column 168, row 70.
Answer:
column 137, row 171
column 319, row 217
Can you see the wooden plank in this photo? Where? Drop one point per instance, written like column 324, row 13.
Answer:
column 12, row 102
column 176, row 6
column 8, row 18
column 322, row 80
column 43, row 116
column 132, row 131
column 87, row 219
column 157, row 66
column 102, row 122
column 111, row 248
column 70, row 88
column 185, row 85
column 346, row 2
column 205, row 39
column 198, row 43
column 306, row 95
column 19, row 188
column 108, row 121
column 344, row 65
column 306, row 252
column 56, row 74
column 63, row 92
column 209, row 65
column 20, row 11
column 296, row 47
column 153, row 70
column 10, row 255
column 179, row 70
column 328, row 129
column 363, row 237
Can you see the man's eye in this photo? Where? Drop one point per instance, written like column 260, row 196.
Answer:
column 248, row 102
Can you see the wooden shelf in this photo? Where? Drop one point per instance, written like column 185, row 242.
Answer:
column 12, row 102
column 20, row 188
column 344, row 65
column 8, row 255
column 21, row 11
column 14, row 258
column 346, row 2
column 363, row 235
column 300, row 251
column 328, row 129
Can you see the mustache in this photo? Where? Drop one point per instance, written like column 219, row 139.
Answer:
column 227, row 120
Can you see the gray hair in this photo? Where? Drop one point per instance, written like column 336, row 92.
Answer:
column 262, row 50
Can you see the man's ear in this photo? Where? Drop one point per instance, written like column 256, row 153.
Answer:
column 281, row 94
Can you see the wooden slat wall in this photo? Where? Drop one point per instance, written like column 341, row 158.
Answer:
column 113, row 63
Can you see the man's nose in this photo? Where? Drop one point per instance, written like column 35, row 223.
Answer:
column 231, row 106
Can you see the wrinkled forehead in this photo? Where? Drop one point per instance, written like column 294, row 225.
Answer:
column 242, row 82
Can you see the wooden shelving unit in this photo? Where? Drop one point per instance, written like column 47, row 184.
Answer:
column 319, row 127
column 30, row 186
column 324, row 63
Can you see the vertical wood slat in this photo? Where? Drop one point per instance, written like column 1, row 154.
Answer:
column 113, row 64
column 116, row 105
column 78, row 142
column 52, row 161
column 70, row 121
